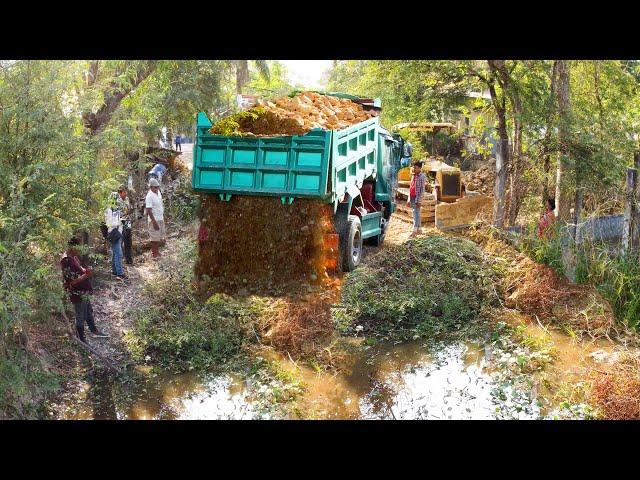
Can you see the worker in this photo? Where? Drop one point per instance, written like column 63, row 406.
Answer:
column 416, row 192
column 178, row 141
column 114, row 235
column 125, row 217
column 155, row 211
column 548, row 218
column 77, row 284
column 407, row 152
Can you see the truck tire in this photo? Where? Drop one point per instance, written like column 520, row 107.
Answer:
column 351, row 244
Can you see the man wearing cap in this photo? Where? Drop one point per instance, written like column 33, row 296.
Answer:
column 155, row 211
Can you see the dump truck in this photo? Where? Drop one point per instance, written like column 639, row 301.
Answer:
column 353, row 169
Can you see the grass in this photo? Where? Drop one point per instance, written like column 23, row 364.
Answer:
column 179, row 332
column 615, row 275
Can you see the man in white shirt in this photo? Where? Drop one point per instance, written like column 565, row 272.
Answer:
column 114, row 235
column 155, row 211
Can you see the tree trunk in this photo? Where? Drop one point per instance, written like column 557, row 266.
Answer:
column 563, row 195
column 242, row 74
column 96, row 122
column 502, row 157
column 547, row 134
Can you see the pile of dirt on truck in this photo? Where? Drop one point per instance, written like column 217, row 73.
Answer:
column 257, row 242
column 293, row 116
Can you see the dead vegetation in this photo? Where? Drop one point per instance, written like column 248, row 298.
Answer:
column 538, row 291
column 616, row 391
column 301, row 325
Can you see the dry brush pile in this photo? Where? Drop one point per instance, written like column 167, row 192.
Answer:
column 538, row 291
column 616, row 391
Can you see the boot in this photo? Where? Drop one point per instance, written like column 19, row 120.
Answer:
column 80, row 332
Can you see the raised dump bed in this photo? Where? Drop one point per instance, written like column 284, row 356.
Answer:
column 322, row 164
column 350, row 168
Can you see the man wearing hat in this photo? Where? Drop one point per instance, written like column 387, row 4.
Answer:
column 155, row 211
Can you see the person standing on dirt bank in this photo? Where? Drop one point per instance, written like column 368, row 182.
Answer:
column 416, row 192
column 114, row 236
column 548, row 218
column 124, row 206
column 155, row 210
column 178, row 141
column 76, row 282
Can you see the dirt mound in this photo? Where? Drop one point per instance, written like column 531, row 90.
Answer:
column 293, row 116
column 257, row 242
column 616, row 392
column 480, row 180
column 301, row 325
column 537, row 290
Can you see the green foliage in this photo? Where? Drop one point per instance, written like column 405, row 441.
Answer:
column 424, row 287
column 547, row 250
column 230, row 126
column 51, row 184
column 182, row 333
column 183, row 205
column 617, row 278
column 271, row 86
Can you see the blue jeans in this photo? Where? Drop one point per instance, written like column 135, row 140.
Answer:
column 417, row 221
column 116, row 258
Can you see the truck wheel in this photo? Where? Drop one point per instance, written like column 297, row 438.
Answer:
column 351, row 244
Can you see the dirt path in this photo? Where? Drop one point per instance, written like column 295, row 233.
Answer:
column 113, row 299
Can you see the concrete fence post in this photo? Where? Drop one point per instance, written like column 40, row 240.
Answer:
column 630, row 228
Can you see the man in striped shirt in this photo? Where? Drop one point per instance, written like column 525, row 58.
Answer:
column 416, row 192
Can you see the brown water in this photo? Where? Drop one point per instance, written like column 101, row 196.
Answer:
column 386, row 382
column 459, row 380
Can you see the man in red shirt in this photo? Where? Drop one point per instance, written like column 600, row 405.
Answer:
column 416, row 192
column 76, row 282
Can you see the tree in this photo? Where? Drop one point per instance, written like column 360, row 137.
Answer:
column 242, row 72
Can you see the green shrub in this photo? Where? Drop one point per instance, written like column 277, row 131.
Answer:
column 421, row 288
column 183, row 333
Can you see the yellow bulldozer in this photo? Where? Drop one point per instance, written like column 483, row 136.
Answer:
column 447, row 204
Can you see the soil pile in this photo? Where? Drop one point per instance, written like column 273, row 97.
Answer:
column 537, row 290
column 258, row 243
column 480, row 180
column 293, row 116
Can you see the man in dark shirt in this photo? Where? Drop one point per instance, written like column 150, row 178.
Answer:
column 76, row 282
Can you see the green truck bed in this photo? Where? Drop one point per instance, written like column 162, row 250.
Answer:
column 321, row 164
